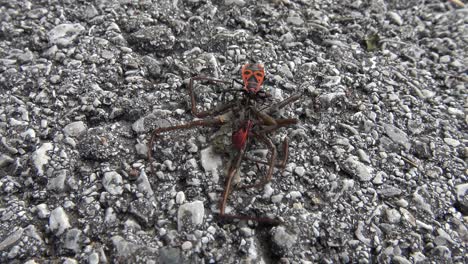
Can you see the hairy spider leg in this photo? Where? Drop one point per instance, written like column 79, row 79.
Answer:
column 215, row 111
column 156, row 132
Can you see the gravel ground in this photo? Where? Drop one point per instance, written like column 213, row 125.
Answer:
column 377, row 167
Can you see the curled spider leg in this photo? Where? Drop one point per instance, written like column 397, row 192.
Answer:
column 270, row 124
column 276, row 107
column 280, row 163
column 217, row 110
column 280, row 122
column 218, row 121
column 271, row 162
column 233, row 170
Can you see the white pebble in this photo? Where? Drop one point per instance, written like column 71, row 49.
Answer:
column 58, row 221
column 180, row 198
column 186, row 245
column 300, row 171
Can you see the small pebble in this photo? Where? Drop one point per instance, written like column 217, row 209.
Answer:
column 186, row 245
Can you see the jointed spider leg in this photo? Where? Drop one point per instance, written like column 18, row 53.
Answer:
column 233, row 170
column 205, row 123
column 218, row 110
column 271, row 162
column 274, row 108
column 280, row 122
column 280, row 164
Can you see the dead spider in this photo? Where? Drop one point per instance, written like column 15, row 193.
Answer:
column 249, row 119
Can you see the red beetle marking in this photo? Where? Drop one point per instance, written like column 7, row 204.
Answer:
column 253, row 75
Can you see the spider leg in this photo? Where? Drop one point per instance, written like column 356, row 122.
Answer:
column 276, row 107
column 271, row 162
column 233, row 170
column 261, row 135
column 156, row 132
column 217, row 110
column 280, row 163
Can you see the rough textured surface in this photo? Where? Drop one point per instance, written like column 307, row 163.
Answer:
column 377, row 164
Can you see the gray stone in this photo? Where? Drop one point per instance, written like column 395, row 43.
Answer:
column 397, row 136
column 168, row 255
column 58, row 221
column 190, row 214
column 363, row 156
column 421, row 203
column 400, row 260
column 72, row 240
column 90, row 12
column 379, row 178
column 393, row 216
column 186, row 245
column 456, row 111
column 93, row 258
column 5, row 160
column 11, row 239
column 358, row 169
column 144, row 186
column 282, row 240
column 445, row 237
column 359, row 234
column 139, row 125
column 75, row 129
column 70, row 261
column 285, row 71
column 42, row 211
column 452, row 142
column 234, row 2
column 299, row 171
column 445, row 59
column 141, row 149
column 462, row 197
column 40, row 157
column 122, row 247
column 422, row 150
column 143, row 210
column 25, row 57
column 295, row 195
column 37, row 13
column 277, row 198
column 443, row 253
column 395, row 18
column 153, row 38
column 418, row 257
column 210, row 161
column 180, row 198
column 192, row 147
column 389, row 191
column 64, row 34
column 112, row 182
column 57, row 183
column 328, row 99
column 295, row 19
